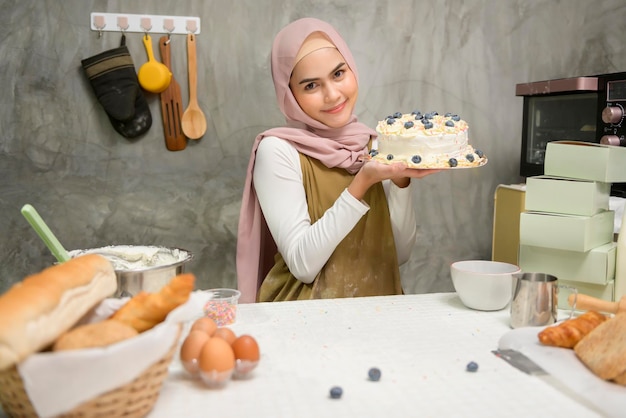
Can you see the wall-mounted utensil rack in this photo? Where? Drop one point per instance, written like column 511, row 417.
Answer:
column 125, row 22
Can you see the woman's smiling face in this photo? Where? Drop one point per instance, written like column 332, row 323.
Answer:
column 325, row 87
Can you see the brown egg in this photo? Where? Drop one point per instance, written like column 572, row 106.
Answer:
column 226, row 334
column 205, row 324
column 245, row 347
column 191, row 348
column 216, row 356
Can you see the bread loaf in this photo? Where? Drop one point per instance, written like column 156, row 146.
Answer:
column 145, row 310
column 603, row 350
column 35, row 311
column 620, row 379
column 97, row 334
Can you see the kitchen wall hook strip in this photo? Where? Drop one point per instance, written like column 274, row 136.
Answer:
column 125, row 22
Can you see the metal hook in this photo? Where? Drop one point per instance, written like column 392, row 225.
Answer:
column 99, row 23
column 122, row 23
column 123, row 40
column 146, row 24
column 168, row 25
column 192, row 26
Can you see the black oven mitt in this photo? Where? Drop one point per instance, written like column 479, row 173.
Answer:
column 112, row 77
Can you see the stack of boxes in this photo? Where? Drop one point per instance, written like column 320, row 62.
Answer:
column 567, row 228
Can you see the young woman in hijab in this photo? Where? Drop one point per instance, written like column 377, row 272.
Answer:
column 317, row 219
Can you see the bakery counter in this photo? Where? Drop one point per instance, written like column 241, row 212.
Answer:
column 421, row 344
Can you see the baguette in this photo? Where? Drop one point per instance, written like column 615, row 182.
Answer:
column 568, row 333
column 96, row 334
column 144, row 310
column 35, row 311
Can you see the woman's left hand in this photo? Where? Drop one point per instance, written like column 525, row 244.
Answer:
column 404, row 174
column 398, row 172
column 373, row 172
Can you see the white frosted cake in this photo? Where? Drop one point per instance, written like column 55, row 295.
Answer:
column 426, row 140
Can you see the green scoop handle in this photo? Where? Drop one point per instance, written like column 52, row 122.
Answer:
column 45, row 234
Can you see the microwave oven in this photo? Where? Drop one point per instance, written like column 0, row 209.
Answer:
column 587, row 109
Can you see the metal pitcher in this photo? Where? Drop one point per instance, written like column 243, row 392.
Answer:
column 535, row 300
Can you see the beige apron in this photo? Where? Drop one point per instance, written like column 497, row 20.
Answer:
column 365, row 263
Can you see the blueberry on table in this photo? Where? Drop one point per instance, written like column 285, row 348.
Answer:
column 453, row 162
column 336, row 392
column 416, row 159
column 471, row 366
column 374, row 374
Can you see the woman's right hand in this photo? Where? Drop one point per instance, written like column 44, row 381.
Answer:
column 373, row 172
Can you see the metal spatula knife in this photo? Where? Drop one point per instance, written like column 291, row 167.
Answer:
column 526, row 365
column 520, row 362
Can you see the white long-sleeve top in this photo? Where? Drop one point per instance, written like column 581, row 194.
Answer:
column 306, row 247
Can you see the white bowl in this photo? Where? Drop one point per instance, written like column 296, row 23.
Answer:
column 483, row 285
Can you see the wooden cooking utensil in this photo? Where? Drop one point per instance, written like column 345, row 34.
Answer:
column 194, row 122
column 171, row 104
column 589, row 303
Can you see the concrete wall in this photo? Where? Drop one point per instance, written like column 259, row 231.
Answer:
column 94, row 187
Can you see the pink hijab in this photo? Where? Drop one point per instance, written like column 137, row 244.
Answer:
column 334, row 147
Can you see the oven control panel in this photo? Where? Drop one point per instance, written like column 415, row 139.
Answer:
column 611, row 104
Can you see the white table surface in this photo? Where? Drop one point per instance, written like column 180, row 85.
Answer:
column 421, row 344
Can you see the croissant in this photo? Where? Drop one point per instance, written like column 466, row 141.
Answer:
column 568, row 333
column 145, row 310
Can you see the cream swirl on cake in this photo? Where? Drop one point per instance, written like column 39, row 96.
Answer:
column 426, row 140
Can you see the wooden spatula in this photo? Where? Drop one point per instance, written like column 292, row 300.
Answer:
column 171, row 105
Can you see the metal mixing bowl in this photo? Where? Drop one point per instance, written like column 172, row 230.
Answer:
column 141, row 267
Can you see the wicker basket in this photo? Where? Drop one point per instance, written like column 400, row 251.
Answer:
column 134, row 399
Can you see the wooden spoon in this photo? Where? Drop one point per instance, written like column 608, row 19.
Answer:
column 194, row 122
